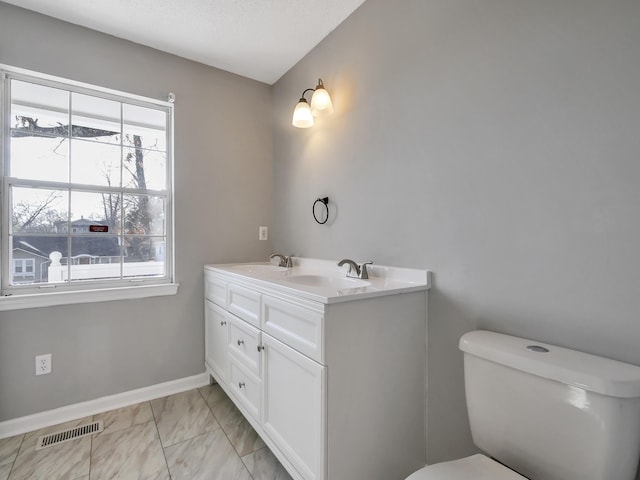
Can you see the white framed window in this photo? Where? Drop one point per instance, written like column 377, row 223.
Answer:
column 23, row 267
column 86, row 188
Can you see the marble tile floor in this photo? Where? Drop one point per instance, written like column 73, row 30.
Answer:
column 196, row 435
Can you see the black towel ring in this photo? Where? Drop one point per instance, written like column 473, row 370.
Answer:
column 325, row 202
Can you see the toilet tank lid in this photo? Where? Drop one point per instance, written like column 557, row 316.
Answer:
column 579, row 369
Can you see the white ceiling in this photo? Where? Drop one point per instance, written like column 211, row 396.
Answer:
column 259, row 39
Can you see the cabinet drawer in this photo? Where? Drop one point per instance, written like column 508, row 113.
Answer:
column 244, row 340
column 245, row 386
column 244, row 303
column 297, row 326
column 215, row 289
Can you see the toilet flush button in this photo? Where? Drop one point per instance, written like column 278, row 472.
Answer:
column 538, row 348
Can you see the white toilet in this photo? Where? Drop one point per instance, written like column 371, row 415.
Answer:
column 547, row 413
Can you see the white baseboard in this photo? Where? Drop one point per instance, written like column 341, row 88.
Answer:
column 17, row 426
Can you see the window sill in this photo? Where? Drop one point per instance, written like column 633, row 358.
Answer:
column 37, row 300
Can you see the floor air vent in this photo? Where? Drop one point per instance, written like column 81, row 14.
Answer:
column 69, row 434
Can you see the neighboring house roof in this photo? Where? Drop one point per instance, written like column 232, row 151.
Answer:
column 85, row 221
column 30, row 251
column 62, row 225
column 43, row 246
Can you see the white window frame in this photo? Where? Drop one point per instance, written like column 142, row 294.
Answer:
column 41, row 295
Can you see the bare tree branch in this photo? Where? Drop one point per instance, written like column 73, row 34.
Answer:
column 31, row 128
column 26, row 214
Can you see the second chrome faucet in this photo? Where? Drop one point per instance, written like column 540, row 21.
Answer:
column 284, row 260
column 355, row 270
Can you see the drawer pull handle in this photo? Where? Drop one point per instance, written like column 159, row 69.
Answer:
column 223, row 323
column 260, row 348
column 240, row 384
column 240, row 342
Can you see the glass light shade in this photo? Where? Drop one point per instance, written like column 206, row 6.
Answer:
column 321, row 102
column 302, row 117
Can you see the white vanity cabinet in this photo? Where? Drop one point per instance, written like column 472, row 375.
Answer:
column 336, row 387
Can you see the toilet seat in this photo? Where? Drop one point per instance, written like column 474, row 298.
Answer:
column 475, row 467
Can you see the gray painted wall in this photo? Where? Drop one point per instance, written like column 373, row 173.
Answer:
column 223, row 181
column 495, row 142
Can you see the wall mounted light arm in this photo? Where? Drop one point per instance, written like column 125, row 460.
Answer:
column 305, row 92
column 320, row 105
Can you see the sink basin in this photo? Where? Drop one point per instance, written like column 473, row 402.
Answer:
column 258, row 267
column 327, row 281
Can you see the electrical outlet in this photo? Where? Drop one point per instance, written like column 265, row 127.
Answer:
column 263, row 233
column 43, row 364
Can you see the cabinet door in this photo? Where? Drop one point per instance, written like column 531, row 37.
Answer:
column 216, row 331
column 294, row 406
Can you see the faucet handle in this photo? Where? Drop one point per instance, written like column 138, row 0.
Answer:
column 290, row 260
column 364, row 274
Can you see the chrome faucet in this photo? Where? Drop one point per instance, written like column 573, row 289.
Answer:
column 355, row 270
column 284, row 260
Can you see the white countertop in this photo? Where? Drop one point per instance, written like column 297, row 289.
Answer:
column 323, row 281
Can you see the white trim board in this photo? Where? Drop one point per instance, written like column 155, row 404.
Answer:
column 29, row 423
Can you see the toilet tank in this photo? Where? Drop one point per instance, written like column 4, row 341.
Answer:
column 551, row 413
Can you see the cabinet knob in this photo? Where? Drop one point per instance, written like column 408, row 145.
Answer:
column 240, row 342
column 240, row 384
column 223, row 323
column 260, row 348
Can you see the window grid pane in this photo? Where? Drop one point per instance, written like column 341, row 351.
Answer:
column 73, row 235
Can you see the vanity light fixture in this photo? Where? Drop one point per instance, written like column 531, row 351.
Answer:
column 320, row 105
